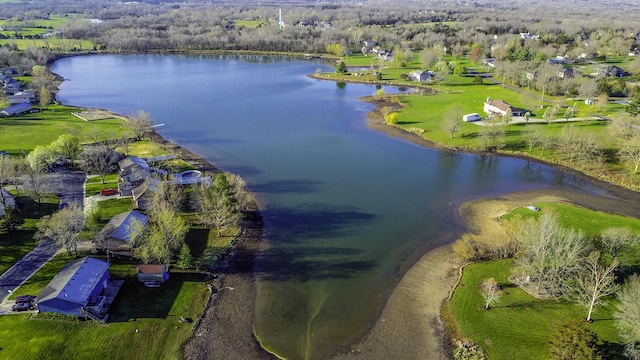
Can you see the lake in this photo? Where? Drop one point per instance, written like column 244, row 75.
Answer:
column 347, row 210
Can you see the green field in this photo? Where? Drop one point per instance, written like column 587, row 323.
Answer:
column 519, row 326
column 53, row 44
column 24, row 133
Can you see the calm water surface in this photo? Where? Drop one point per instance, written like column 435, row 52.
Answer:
column 346, row 209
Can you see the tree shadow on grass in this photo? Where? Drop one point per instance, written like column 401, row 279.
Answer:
column 136, row 301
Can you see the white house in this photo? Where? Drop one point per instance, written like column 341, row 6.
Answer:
column 422, row 75
column 499, row 107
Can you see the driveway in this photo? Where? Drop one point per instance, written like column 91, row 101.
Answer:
column 27, row 266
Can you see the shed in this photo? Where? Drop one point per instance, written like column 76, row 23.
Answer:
column 153, row 273
column 78, row 289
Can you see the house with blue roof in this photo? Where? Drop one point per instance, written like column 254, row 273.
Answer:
column 80, row 289
column 16, row 109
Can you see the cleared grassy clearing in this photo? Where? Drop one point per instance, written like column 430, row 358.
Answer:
column 24, row 133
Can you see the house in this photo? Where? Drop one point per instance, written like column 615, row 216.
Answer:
column 499, row 107
column 422, row 75
column 489, row 62
column 118, row 234
column 143, row 194
column 16, row 109
column 528, row 35
column 607, row 71
column 153, row 274
column 80, row 289
column 558, row 60
column 133, row 168
column 6, row 200
column 22, row 97
column 566, row 73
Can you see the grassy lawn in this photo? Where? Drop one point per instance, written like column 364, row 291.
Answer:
column 252, row 24
column 109, row 208
column 55, row 44
column 145, row 323
column 519, row 326
column 526, row 332
column 590, row 222
column 16, row 244
column 18, row 133
column 94, row 184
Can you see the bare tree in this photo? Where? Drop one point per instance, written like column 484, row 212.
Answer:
column 490, row 290
column 35, row 183
column 549, row 254
column 551, row 112
column 588, row 89
column 593, row 282
column 491, row 135
column 63, row 227
column 428, row 58
column 627, row 315
column 615, row 240
column 532, row 135
column 140, row 124
column 451, row 119
column 624, row 127
column 99, row 160
column 630, row 151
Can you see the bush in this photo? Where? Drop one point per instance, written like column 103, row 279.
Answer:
column 11, row 221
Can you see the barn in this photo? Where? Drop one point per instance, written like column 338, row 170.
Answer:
column 78, row 289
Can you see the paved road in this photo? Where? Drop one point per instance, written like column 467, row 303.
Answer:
column 70, row 186
column 27, row 266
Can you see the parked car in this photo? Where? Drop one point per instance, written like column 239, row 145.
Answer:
column 25, row 298
column 23, row 306
column 109, row 191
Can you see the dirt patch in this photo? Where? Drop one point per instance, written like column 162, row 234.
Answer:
column 95, row 114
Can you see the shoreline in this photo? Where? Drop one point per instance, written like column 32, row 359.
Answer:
column 225, row 328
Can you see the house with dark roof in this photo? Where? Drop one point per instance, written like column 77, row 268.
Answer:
column 611, row 70
column 119, row 233
column 80, row 289
column 16, row 109
column 499, row 107
column 133, row 168
column 422, row 75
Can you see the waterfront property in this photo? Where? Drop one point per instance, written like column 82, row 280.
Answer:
column 16, row 109
column 153, row 274
column 117, row 235
column 80, row 289
column 499, row 107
